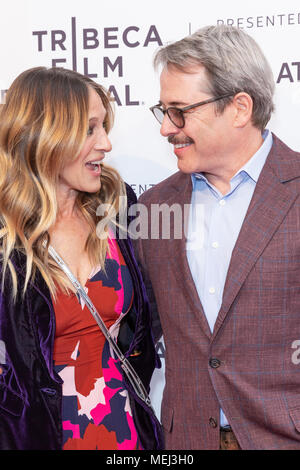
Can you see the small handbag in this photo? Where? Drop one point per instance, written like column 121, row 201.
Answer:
column 137, row 392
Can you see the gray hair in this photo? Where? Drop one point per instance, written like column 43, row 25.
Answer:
column 233, row 62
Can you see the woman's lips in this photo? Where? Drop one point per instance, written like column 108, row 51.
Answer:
column 94, row 167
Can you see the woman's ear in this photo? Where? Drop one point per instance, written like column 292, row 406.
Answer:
column 243, row 105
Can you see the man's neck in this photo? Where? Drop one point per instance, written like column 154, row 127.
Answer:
column 239, row 156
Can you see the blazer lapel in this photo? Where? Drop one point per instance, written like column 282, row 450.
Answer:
column 269, row 205
column 177, row 250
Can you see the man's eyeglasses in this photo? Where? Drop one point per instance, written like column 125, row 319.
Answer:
column 176, row 115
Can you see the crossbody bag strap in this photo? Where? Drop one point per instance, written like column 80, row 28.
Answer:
column 131, row 374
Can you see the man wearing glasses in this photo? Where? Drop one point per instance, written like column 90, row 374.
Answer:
column 227, row 293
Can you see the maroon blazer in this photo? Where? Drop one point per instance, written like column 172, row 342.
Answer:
column 246, row 366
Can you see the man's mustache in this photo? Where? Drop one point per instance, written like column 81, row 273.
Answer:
column 172, row 139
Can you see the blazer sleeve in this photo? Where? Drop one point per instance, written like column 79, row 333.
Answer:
column 155, row 321
column 138, row 252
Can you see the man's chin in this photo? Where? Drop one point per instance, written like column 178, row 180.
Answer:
column 186, row 167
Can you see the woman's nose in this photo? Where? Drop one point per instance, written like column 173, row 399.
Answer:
column 103, row 142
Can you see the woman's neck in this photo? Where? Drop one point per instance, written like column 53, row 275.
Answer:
column 66, row 203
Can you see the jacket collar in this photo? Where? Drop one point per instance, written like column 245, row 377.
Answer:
column 273, row 197
column 283, row 161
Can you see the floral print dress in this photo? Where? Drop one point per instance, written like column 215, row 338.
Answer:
column 96, row 413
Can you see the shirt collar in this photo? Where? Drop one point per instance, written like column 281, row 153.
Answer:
column 253, row 166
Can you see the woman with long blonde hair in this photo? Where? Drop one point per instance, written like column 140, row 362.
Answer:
column 63, row 381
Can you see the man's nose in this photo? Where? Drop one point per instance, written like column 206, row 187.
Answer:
column 167, row 127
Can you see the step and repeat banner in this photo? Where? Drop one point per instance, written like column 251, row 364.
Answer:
column 114, row 43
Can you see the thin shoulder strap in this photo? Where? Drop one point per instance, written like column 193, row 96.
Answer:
column 132, row 376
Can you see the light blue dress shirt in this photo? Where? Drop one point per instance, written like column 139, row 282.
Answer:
column 214, row 226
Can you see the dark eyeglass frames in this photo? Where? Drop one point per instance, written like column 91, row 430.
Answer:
column 176, row 115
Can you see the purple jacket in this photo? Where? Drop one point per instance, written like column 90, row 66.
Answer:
column 30, row 389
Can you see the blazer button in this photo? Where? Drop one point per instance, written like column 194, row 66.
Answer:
column 213, row 422
column 214, row 362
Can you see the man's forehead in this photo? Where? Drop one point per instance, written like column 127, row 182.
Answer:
column 188, row 70
column 178, row 86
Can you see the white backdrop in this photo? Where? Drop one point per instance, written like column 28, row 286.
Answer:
column 115, row 42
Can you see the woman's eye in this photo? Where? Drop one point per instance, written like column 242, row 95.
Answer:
column 91, row 129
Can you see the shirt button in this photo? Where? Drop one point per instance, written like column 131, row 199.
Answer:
column 211, row 290
column 222, row 202
column 214, row 362
column 213, row 422
column 215, row 245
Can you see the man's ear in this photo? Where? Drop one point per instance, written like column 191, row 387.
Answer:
column 243, row 105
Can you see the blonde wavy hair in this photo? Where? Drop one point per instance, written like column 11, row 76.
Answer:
column 43, row 124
